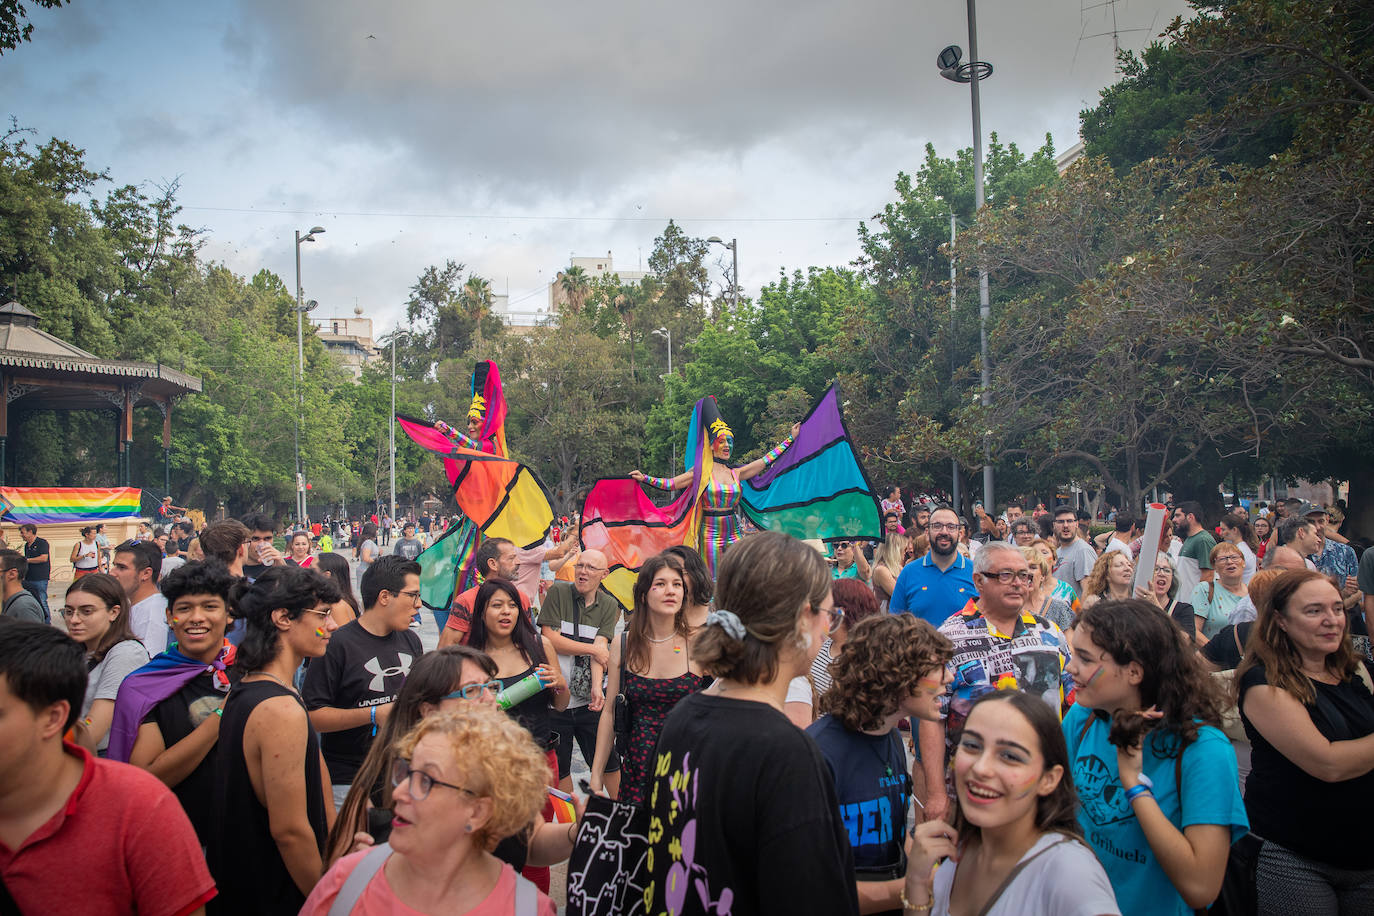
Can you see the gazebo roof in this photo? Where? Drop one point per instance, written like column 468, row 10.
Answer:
column 23, row 345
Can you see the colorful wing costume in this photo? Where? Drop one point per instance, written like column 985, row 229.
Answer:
column 499, row 497
column 815, row 488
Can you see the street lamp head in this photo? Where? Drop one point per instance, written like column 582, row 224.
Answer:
column 310, row 305
column 717, row 239
column 315, row 229
column 955, row 72
column 949, row 59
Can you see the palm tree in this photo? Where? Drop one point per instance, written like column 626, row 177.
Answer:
column 475, row 300
column 576, row 286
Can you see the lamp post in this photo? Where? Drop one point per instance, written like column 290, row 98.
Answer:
column 300, row 369
column 973, row 72
column 733, row 245
column 664, row 332
column 392, row 422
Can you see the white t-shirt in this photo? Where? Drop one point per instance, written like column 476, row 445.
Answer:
column 1066, row 881
column 1251, row 563
column 799, row 691
column 148, row 619
column 1122, row 546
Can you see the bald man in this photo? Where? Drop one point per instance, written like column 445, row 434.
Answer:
column 579, row 619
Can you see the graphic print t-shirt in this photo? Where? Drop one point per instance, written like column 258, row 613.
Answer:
column 744, row 833
column 873, row 787
column 358, row 670
column 1210, row 795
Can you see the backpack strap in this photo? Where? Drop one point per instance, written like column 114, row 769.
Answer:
column 358, row 879
column 526, row 897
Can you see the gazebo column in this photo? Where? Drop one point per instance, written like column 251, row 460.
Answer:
column 166, row 407
column 126, row 432
column 4, row 421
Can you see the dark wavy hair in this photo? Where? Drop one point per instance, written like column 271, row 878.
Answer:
column 880, row 665
column 433, row 676
column 1270, row 648
column 1058, row 811
column 1174, row 680
column 283, row 586
column 525, row 636
column 637, row 630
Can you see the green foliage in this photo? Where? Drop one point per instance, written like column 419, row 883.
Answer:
column 14, row 21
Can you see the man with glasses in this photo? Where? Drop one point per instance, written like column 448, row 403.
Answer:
column 1074, row 557
column 998, row 645
column 939, row 583
column 579, row 619
column 349, row 691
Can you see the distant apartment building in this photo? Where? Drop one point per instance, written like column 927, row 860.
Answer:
column 593, row 268
column 350, row 339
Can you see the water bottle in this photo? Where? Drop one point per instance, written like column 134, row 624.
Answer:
column 520, row 691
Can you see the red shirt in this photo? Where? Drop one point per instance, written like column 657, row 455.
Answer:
column 121, row 845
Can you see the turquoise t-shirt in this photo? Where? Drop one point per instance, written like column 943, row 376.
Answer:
column 1211, row 795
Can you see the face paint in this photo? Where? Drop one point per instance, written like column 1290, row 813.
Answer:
column 1089, row 681
column 319, row 631
column 176, row 620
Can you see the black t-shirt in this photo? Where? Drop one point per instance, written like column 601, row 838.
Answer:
column 176, row 717
column 38, row 572
column 358, row 670
column 1293, row 808
column 746, row 804
column 873, row 789
column 1222, row 650
column 252, row 572
column 183, row 545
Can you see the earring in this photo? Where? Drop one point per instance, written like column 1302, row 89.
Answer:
column 467, row 828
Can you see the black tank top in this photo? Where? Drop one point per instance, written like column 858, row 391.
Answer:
column 243, row 857
column 534, row 712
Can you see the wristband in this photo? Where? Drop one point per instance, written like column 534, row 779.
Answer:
column 373, row 713
column 662, row 483
column 572, row 832
column 923, row 908
column 1137, row 791
column 776, row 453
column 1145, row 781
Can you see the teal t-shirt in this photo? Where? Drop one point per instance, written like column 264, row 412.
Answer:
column 1211, row 795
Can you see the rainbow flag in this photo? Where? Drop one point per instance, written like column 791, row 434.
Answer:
column 563, row 810
column 56, row 505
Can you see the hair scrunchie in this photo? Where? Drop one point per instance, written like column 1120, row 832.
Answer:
column 729, row 622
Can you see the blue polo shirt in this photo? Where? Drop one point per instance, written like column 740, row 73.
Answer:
column 923, row 590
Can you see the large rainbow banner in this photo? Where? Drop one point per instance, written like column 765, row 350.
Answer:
column 56, row 505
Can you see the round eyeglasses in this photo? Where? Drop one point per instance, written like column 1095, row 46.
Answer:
column 418, row 782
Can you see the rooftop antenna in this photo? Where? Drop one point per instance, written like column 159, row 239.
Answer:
column 1116, row 32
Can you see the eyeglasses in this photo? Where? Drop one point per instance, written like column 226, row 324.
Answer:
column 420, row 782
column 412, row 597
column 936, row 527
column 475, row 691
column 836, row 619
column 82, row 612
column 1006, row 576
column 1230, row 558
column 587, row 567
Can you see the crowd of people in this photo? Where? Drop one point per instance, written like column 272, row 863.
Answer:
column 992, row 715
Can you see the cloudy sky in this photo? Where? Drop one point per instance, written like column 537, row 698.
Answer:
column 512, row 135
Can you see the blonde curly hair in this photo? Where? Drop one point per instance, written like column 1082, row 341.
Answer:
column 498, row 759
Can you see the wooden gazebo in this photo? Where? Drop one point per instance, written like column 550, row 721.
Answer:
column 41, row 372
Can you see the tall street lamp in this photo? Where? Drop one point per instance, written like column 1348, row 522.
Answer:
column 971, row 73
column 392, row 424
column 733, row 245
column 300, row 369
column 664, row 332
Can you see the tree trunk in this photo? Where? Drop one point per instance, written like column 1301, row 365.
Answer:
column 1359, row 510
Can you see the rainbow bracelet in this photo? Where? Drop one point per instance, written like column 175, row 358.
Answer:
column 662, row 483
column 776, row 453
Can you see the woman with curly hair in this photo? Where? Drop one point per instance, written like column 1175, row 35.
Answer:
column 1307, row 704
column 1015, row 845
column 1156, row 776
column 1110, row 578
column 461, row 781
column 892, row 667
column 854, row 602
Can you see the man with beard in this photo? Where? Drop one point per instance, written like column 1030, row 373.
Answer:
column 1074, row 556
column 939, row 583
column 1194, row 558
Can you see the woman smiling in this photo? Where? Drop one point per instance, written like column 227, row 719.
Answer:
column 1015, row 846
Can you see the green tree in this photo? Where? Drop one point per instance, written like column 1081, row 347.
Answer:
column 14, row 21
